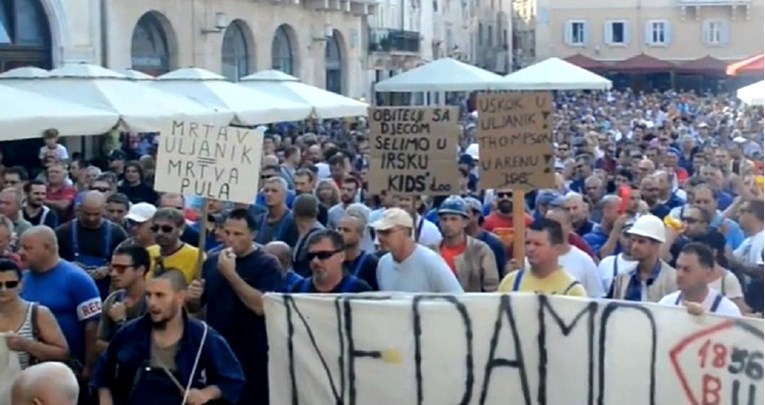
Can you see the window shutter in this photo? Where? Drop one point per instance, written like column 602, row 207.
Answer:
column 648, row 33
column 567, row 32
column 608, row 37
column 667, row 33
column 585, row 33
column 627, row 32
column 706, row 32
column 724, row 32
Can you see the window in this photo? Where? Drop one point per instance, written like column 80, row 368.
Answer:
column 715, row 32
column 657, row 33
column 616, row 33
column 576, row 33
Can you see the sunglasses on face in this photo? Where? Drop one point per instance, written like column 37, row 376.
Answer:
column 9, row 285
column 504, row 195
column 163, row 228
column 101, row 189
column 322, row 255
column 119, row 268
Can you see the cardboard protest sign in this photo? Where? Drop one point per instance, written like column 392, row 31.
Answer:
column 498, row 349
column 205, row 161
column 516, row 140
column 414, row 150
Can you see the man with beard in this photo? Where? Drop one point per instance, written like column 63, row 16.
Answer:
column 35, row 211
column 166, row 357
column 170, row 251
column 305, row 183
column 500, row 222
column 350, row 188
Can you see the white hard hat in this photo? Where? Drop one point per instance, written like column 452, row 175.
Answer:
column 649, row 226
column 472, row 150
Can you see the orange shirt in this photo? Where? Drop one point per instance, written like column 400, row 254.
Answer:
column 449, row 253
column 502, row 226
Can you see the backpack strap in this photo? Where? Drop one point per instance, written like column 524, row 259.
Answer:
column 570, row 286
column 517, row 281
column 716, row 303
column 35, row 329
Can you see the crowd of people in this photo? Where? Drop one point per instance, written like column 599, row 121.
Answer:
column 658, row 198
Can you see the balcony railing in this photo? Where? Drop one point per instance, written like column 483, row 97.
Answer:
column 394, row 41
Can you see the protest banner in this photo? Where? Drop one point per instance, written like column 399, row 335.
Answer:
column 516, row 141
column 209, row 162
column 499, row 349
column 414, row 150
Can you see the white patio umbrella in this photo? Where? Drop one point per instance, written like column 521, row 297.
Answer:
column 25, row 115
column 753, row 94
column 325, row 104
column 141, row 108
column 250, row 107
column 554, row 74
column 137, row 75
column 26, row 72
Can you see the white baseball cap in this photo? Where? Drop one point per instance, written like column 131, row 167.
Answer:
column 393, row 217
column 141, row 212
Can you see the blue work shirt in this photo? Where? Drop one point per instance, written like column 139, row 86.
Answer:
column 124, row 367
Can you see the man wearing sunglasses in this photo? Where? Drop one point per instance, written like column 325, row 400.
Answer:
column 326, row 254
column 128, row 270
column 170, row 251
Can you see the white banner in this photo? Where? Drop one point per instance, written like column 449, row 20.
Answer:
column 506, row 349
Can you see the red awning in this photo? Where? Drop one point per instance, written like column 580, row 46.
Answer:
column 586, row 62
column 643, row 64
column 748, row 66
column 703, row 66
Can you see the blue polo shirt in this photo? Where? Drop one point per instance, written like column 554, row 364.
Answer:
column 72, row 297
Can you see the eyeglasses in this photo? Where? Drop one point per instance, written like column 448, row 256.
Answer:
column 9, row 285
column 323, row 255
column 120, row 268
column 504, row 195
column 163, row 228
column 101, row 189
column 691, row 220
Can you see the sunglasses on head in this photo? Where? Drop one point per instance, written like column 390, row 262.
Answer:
column 9, row 285
column 323, row 255
column 163, row 228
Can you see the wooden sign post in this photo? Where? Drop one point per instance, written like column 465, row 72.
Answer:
column 516, row 150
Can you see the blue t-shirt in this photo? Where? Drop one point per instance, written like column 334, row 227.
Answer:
column 288, row 199
column 72, row 297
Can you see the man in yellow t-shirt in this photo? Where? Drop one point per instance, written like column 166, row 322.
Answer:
column 544, row 242
column 170, row 252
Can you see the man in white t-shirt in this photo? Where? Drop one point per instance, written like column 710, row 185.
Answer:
column 574, row 260
column 612, row 266
column 747, row 259
column 426, row 232
column 693, row 266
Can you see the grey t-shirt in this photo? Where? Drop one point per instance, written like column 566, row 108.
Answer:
column 424, row 271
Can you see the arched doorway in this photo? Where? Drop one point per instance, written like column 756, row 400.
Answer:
column 235, row 57
column 150, row 50
column 333, row 64
column 25, row 40
column 282, row 50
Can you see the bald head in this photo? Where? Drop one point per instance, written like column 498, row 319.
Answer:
column 269, row 160
column 49, row 383
column 282, row 252
column 93, row 199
